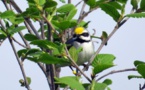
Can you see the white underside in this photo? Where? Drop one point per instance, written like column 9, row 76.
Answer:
column 86, row 53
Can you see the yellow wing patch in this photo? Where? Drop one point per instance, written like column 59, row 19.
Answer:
column 79, row 30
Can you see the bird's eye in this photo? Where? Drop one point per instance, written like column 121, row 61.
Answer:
column 74, row 35
column 85, row 34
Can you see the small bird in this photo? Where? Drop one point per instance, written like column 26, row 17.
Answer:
column 82, row 39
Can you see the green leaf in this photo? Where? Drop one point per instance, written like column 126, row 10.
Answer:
column 44, row 44
column 40, row 2
column 22, row 82
column 22, row 52
column 65, row 8
column 134, row 3
column 142, row 5
column 136, row 15
column 32, row 12
column 141, row 70
column 47, row 45
column 71, row 81
column 49, row 59
column 7, row 14
column 62, row 25
column 50, row 4
column 15, row 30
column 137, row 62
column 98, row 86
column 104, row 36
column 122, row 1
column 63, row 1
column 116, row 5
column 74, row 53
column 30, row 37
column 110, row 10
column 91, row 3
column 107, row 81
column 134, row 76
column 2, row 37
column 71, row 14
column 102, row 62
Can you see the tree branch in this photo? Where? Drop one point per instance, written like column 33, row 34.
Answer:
column 116, row 71
column 20, row 64
column 118, row 25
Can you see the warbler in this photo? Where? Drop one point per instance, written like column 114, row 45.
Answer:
column 82, row 39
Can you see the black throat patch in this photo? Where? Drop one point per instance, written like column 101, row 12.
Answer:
column 81, row 40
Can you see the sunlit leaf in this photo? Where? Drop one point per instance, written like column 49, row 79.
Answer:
column 65, row 8
column 74, row 53
column 98, row 86
column 71, row 81
column 102, row 62
column 7, row 14
column 71, row 14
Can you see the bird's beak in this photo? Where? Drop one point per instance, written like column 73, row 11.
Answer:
column 70, row 41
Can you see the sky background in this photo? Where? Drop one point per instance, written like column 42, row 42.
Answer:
column 127, row 44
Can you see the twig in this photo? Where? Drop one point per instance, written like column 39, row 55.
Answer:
column 42, row 28
column 69, row 1
column 5, row 3
column 19, row 43
column 116, row 71
column 49, row 23
column 81, row 12
column 20, row 64
column 78, row 3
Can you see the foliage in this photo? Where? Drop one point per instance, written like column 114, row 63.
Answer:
column 49, row 41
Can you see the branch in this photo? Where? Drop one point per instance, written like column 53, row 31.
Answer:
column 19, row 43
column 26, row 19
column 117, row 71
column 20, row 64
column 42, row 29
column 118, row 25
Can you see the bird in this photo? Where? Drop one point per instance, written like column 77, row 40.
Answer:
column 82, row 39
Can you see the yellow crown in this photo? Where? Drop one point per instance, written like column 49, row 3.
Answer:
column 79, row 30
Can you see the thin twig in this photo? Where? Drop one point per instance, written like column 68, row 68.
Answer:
column 20, row 64
column 19, row 43
column 116, row 71
column 81, row 12
column 49, row 23
column 42, row 29
column 69, row 1
column 5, row 3
column 78, row 3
